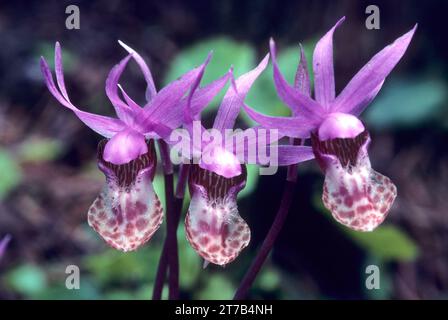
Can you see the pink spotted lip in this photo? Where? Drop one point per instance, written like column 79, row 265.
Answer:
column 357, row 196
column 213, row 225
column 127, row 212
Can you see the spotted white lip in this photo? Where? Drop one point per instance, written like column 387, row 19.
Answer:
column 213, row 225
column 127, row 212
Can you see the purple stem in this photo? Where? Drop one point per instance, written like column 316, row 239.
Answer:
column 171, row 238
column 268, row 242
column 169, row 253
column 182, row 181
column 163, row 263
column 161, row 273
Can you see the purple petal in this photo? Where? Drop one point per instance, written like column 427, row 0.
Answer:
column 166, row 100
column 105, row 126
column 125, row 146
column 124, row 112
column 151, row 88
column 296, row 127
column 367, row 80
column 201, row 98
column 188, row 115
column 360, row 107
column 289, row 154
column 235, row 95
column 136, row 109
column 298, row 102
column 59, row 70
column 302, row 79
column 160, row 129
column 323, row 68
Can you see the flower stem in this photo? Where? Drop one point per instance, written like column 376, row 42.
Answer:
column 161, row 273
column 269, row 241
column 169, row 260
column 169, row 254
column 171, row 238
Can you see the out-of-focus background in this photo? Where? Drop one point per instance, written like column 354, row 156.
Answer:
column 48, row 174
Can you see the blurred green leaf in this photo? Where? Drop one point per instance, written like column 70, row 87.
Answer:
column 10, row 173
column 407, row 102
column 113, row 266
column 226, row 52
column 268, row 280
column 145, row 292
column 87, row 291
column 189, row 261
column 217, row 287
column 27, row 279
column 253, row 174
column 39, row 150
column 386, row 243
column 121, row 295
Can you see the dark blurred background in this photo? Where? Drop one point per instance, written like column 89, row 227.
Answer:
column 48, row 175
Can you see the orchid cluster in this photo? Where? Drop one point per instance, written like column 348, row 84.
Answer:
column 128, row 211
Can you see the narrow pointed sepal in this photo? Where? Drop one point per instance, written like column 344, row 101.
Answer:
column 213, row 225
column 357, row 196
column 127, row 212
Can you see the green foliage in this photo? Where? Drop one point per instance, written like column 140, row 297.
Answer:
column 253, row 174
column 88, row 290
column 189, row 261
column 268, row 279
column 386, row 243
column 407, row 102
column 217, row 287
column 226, row 52
column 10, row 173
column 39, row 150
column 27, row 279
column 112, row 266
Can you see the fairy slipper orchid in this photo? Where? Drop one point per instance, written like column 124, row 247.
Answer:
column 356, row 195
column 213, row 224
column 128, row 212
